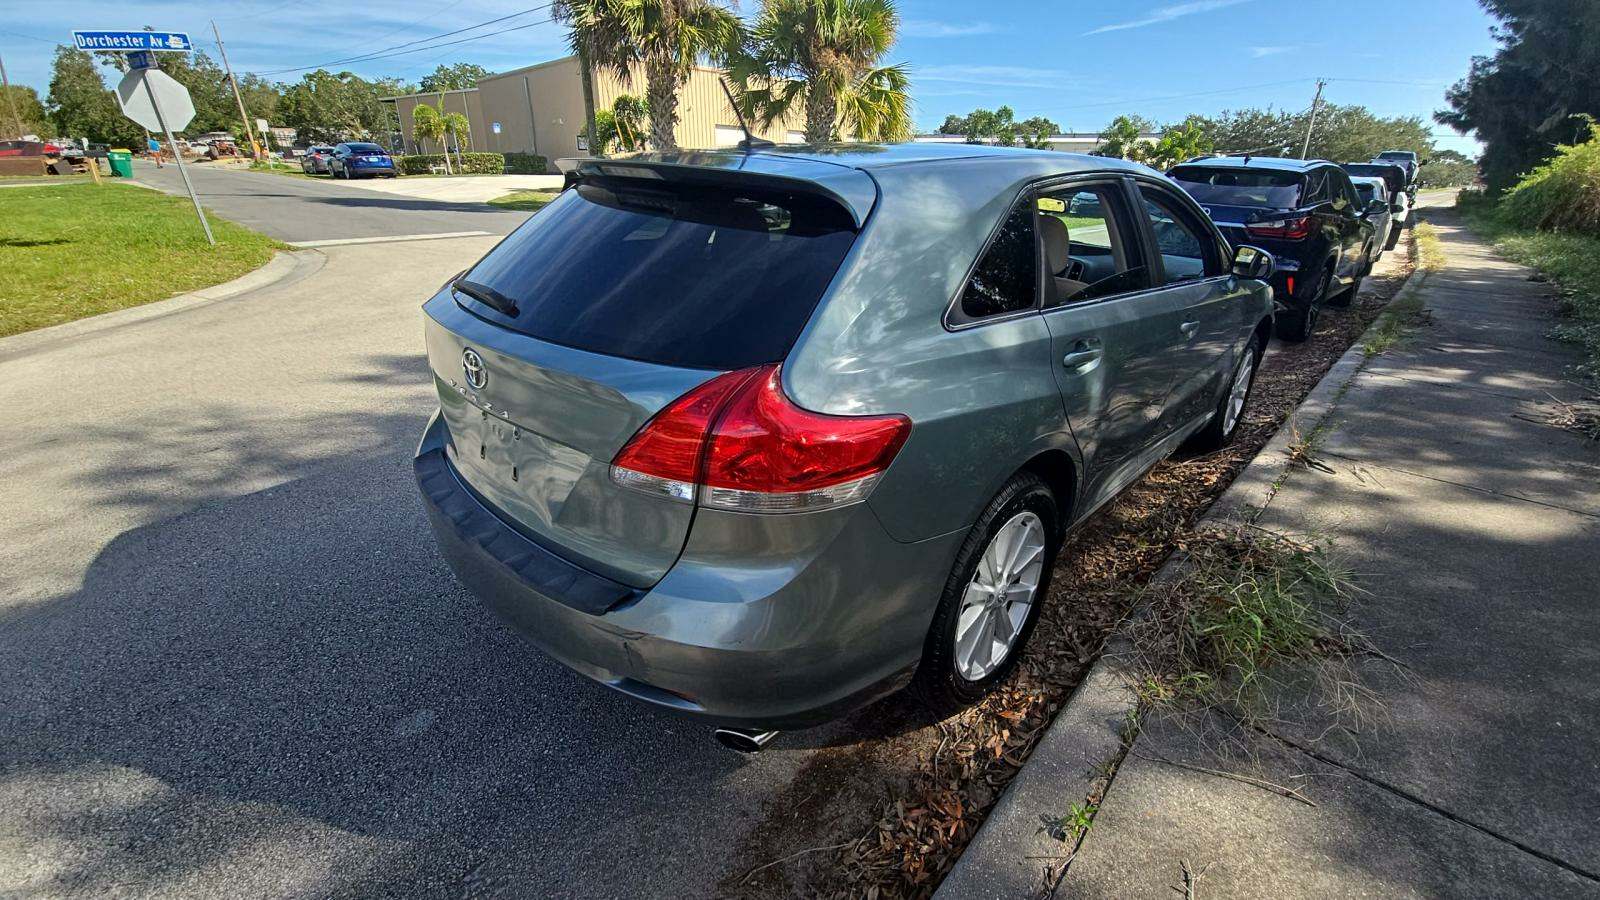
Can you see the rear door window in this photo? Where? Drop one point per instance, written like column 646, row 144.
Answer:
column 1229, row 186
column 685, row 276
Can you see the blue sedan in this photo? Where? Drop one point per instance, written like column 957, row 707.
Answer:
column 356, row 160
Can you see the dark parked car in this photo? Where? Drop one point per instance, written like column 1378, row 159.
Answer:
column 1406, row 159
column 1305, row 212
column 315, row 159
column 760, row 436
column 360, row 160
column 1395, row 177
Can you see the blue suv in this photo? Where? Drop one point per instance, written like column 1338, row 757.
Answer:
column 1305, row 212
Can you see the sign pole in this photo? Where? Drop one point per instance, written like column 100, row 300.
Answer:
column 178, row 158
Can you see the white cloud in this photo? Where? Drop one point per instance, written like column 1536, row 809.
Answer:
column 1167, row 14
column 930, row 28
column 1001, row 76
column 1258, row 52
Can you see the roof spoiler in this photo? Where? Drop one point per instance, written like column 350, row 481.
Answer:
column 851, row 188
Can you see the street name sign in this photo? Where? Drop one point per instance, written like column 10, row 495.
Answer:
column 140, row 90
column 170, row 41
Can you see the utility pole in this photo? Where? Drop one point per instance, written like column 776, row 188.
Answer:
column 1316, row 104
column 255, row 148
column 16, row 118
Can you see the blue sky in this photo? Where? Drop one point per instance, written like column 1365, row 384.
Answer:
column 1080, row 63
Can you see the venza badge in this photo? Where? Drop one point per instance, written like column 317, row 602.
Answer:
column 477, row 373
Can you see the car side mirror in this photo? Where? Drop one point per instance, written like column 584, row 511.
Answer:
column 1377, row 206
column 1254, row 263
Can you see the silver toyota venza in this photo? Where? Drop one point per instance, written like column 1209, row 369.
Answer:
column 763, row 434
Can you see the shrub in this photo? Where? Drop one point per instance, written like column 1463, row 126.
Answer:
column 469, row 163
column 1561, row 195
column 526, row 164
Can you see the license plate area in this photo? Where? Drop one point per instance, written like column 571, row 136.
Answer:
column 524, row 473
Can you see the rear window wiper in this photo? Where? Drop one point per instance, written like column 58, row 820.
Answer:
column 486, row 295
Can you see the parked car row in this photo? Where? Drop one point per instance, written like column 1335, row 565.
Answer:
column 1325, row 229
column 761, row 435
column 353, row 159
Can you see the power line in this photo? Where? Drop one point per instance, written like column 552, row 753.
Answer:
column 30, row 37
column 1232, row 90
column 385, row 52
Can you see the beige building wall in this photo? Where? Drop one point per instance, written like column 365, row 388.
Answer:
column 467, row 102
column 540, row 110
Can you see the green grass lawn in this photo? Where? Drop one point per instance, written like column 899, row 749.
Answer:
column 82, row 249
column 532, row 201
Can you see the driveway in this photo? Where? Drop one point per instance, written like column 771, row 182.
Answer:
column 317, row 210
column 232, row 663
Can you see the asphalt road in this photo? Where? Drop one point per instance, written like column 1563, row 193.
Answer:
column 233, row 664
column 319, row 209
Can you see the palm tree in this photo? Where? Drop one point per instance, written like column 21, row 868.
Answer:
column 825, row 55
column 459, row 128
column 427, row 123
column 664, row 38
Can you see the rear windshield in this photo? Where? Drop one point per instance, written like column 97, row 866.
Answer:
column 683, row 276
column 364, row 148
column 1396, row 154
column 1240, row 187
column 1366, row 191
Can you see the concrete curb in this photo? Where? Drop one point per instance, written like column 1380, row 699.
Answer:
column 1011, row 852
column 283, row 267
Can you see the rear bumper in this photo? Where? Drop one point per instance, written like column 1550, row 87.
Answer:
column 800, row 632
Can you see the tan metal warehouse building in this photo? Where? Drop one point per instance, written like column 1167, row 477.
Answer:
column 539, row 109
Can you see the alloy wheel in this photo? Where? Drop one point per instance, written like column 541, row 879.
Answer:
column 1240, row 392
column 999, row 596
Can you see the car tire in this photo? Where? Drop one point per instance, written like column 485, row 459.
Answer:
column 1394, row 237
column 1225, row 420
column 1296, row 325
column 1025, row 502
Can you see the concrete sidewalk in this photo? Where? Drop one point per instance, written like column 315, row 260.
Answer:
column 1476, row 528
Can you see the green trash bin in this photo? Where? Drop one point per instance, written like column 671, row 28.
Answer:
column 121, row 162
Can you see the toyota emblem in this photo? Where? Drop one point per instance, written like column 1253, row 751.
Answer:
column 477, row 373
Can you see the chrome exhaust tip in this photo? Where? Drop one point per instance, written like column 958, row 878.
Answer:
column 744, row 740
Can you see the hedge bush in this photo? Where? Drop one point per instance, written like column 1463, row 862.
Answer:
column 468, row 164
column 526, row 164
column 1561, row 195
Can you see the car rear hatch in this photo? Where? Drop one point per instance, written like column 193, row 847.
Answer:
column 623, row 294
column 1237, row 198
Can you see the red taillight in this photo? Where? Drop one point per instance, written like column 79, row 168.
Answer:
column 738, row 442
column 1297, row 228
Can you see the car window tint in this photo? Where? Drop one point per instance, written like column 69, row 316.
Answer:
column 1232, row 186
column 1006, row 278
column 1187, row 252
column 700, row 277
column 1086, row 252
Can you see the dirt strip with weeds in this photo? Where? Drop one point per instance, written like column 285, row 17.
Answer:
column 887, row 812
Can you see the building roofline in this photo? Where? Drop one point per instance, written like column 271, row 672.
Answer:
column 394, row 97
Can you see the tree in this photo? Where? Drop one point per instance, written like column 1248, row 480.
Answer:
column 454, row 78
column 982, row 126
column 1035, row 132
column 81, row 106
column 428, row 124
column 1121, row 139
column 825, row 56
column 664, row 38
column 622, row 125
column 326, row 108
column 1180, row 142
column 1342, row 133
column 458, row 129
column 21, row 113
column 1536, row 89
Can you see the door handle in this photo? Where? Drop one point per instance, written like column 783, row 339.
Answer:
column 1189, row 329
column 1082, row 353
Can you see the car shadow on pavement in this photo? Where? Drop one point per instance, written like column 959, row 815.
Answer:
column 292, row 680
